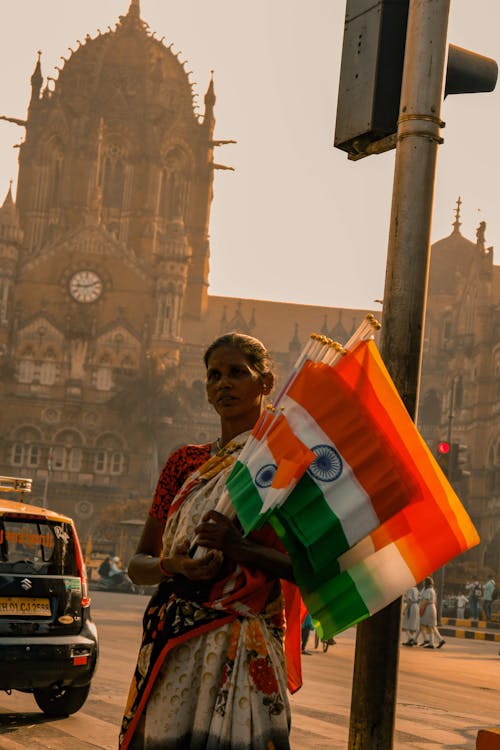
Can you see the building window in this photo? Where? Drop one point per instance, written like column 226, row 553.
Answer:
column 104, row 379
column 100, row 462
column 48, row 373
column 26, row 371
column 17, row 455
column 33, row 455
column 116, row 463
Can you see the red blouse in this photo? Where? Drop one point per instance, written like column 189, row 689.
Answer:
column 178, row 467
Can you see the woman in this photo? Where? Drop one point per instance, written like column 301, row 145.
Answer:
column 211, row 670
column 411, row 616
column 428, row 616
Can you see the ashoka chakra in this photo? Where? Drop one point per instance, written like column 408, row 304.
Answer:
column 327, row 466
column 265, row 475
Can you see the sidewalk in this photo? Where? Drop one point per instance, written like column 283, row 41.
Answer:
column 480, row 630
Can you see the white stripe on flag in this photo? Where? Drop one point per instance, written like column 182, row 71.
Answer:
column 345, row 495
column 382, row 577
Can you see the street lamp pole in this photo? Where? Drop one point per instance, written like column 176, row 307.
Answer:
column 373, row 703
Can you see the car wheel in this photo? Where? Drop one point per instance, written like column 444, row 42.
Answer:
column 61, row 701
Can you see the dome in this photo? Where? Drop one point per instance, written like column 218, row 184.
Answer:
column 125, row 72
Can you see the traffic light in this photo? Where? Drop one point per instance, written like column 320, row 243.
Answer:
column 443, row 456
column 371, row 73
column 458, row 459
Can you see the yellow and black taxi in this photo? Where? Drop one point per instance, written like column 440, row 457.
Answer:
column 48, row 641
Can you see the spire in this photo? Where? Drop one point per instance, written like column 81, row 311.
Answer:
column 36, row 80
column 210, row 95
column 480, row 235
column 457, row 223
column 9, row 220
column 133, row 18
column 208, row 118
column 134, row 9
column 8, row 213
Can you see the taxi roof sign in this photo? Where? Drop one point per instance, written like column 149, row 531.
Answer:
column 15, row 484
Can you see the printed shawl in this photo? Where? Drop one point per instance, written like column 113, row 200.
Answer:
column 242, row 604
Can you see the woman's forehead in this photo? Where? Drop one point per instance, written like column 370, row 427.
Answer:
column 227, row 354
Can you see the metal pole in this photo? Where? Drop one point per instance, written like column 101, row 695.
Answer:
column 373, row 700
column 442, row 572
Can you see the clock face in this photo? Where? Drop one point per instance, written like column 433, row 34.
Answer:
column 85, row 286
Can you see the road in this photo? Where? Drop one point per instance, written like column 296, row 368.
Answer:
column 444, row 696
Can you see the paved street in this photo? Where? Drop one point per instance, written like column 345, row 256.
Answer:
column 444, row 696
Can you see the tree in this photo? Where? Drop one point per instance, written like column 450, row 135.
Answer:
column 147, row 400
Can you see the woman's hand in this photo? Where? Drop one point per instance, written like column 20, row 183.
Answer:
column 218, row 532
column 201, row 569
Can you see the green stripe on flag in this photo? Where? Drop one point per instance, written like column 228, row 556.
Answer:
column 337, row 605
column 245, row 498
column 307, row 514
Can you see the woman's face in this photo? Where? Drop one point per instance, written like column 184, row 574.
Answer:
column 234, row 388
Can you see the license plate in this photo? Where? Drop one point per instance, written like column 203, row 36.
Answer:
column 19, row 606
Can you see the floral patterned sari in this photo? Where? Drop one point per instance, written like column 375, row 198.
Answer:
column 211, row 671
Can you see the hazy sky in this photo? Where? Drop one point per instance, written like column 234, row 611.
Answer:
column 296, row 221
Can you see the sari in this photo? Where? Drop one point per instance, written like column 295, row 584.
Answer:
column 211, row 672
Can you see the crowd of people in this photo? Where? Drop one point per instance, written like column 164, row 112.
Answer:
column 420, row 610
column 480, row 597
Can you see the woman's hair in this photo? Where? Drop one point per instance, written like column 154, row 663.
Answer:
column 429, row 581
column 254, row 350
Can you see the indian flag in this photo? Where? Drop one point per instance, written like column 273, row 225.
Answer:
column 353, row 511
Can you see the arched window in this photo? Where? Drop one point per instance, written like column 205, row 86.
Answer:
column 104, row 374
column 17, row 454
column 109, row 457
column 48, row 368
column 113, row 179
column 26, row 370
column 26, row 451
column 67, row 454
column 174, row 185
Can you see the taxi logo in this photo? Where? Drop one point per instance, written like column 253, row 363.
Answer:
column 26, row 584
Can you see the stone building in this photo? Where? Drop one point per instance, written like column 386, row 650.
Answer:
column 460, row 386
column 105, row 308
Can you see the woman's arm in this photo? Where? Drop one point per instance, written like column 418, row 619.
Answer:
column 144, row 567
column 218, row 532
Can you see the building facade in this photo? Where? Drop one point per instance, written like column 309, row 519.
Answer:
column 105, row 309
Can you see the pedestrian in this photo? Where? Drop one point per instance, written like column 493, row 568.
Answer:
column 462, row 602
column 307, row 627
column 428, row 616
column 475, row 596
column 411, row 616
column 211, row 670
column 489, row 589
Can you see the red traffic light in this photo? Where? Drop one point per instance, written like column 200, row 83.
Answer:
column 443, row 447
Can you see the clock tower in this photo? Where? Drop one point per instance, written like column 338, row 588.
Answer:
column 103, row 254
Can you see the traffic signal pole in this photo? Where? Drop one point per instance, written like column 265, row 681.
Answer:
column 374, row 690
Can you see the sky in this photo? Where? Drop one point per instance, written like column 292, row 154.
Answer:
column 296, row 221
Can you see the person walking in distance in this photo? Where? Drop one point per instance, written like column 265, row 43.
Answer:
column 475, row 596
column 428, row 616
column 411, row 616
column 488, row 596
column 462, row 602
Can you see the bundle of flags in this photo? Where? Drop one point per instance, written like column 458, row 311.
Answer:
column 340, row 471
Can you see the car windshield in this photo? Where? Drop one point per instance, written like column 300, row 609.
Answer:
column 32, row 545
